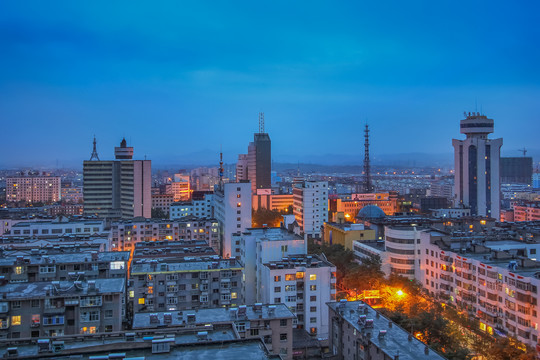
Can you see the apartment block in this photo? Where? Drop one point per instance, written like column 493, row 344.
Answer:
column 232, row 208
column 57, row 308
column 57, row 227
column 305, row 283
column 187, row 283
column 310, row 206
column 271, row 323
column 33, row 189
column 125, row 234
column 357, row 331
column 201, row 208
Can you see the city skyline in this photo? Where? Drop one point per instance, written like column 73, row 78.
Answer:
column 154, row 74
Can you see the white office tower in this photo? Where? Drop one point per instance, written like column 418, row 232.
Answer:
column 476, row 159
column 310, row 205
column 232, row 208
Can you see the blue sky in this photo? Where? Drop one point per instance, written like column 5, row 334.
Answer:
column 178, row 79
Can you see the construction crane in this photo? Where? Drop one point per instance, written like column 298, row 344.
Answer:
column 524, row 151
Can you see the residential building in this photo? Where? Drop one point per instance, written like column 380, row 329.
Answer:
column 257, row 246
column 72, row 264
column 476, row 159
column 57, row 308
column 310, row 206
column 493, row 280
column 181, row 187
column 71, row 194
column 33, row 188
column 232, row 208
column 124, row 235
column 198, row 207
column 305, row 283
column 388, row 202
column 188, row 283
column 118, row 188
column 274, row 202
column 162, row 202
column 271, row 323
column 346, row 233
column 64, row 210
column 527, row 211
column 166, row 250
column 357, row 331
column 57, row 227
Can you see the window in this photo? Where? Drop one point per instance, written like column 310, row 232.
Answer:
column 35, row 303
column 313, row 298
column 277, row 289
column 290, row 277
column 16, row 320
column 277, row 278
column 141, row 301
column 283, row 337
column 19, row 270
column 16, row 304
column 313, row 309
column 108, row 314
column 283, row 322
column 277, row 300
column 312, row 277
column 312, row 287
column 312, row 320
column 300, row 275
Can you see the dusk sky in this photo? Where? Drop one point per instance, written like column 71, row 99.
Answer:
column 178, row 79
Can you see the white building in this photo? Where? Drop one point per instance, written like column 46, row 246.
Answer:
column 310, row 206
column 60, row 226
column 255, row 247
column 499, row 288
column 476, row 159
column 232, row 208
column 450, row 213
column 201, row 208
column 305, row 283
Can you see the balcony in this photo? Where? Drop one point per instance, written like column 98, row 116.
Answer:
column 54, row 310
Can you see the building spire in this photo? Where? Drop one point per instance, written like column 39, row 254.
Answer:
column 221, row 167
column 368, row 187
column 261, row 123
column 94, row 155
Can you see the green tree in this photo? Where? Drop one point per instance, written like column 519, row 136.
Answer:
column 158, row 213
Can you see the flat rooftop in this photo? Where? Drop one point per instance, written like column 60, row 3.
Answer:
column 395, row 342
column 301, row 260
column 185, row 264
column 15, row 291
column 9, row 258
column 272, row 234
column 210, row 316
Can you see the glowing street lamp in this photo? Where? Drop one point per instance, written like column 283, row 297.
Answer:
column 400, row 293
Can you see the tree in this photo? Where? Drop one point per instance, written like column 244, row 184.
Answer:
column 266, row 217
column 158, row 213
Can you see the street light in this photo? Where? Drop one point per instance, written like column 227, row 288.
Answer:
column 400, row 293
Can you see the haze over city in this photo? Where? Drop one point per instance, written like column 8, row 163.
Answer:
column 179, row 80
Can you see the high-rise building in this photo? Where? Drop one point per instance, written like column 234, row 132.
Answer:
column 516, row 170
column 256, row 165
column 118, row 188
column 476, row 159
column 33, row 188
column 232, row 208
column 310, row 206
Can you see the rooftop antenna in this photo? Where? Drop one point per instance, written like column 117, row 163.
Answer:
column 524, row 151
column 261, row 122
column 368, row 188
column 221, row 165
column 94, row 155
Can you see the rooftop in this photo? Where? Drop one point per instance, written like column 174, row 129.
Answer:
column 387, row 336
column 144, row 266
column 272, row 234
column 211, row 316
column 15, row 291
column 34, row 257
column 301, row 260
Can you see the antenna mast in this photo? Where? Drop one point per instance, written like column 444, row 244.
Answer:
column 221, row 167
column 524, row 151
column 94, row 155
column 261, row 122
column 368, row 188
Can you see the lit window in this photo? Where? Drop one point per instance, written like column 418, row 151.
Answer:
column 233, row 295
column 19, row 270
column 141, row 301
column 238, row 204
column 35, row 319
column 312, row 277
column 300, row 275
column 131, row 294
column 16, row 320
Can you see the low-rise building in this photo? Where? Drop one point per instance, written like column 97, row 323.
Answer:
column 271, row 323
column 162, row 202
column 125, row 234
column 186, row 283
column 57, row 308
column 57, row 227
column 345, row 233
column 358, row 331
